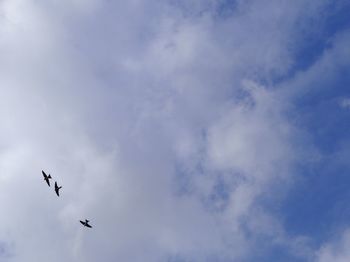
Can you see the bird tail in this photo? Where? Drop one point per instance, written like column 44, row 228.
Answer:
column 49, row 176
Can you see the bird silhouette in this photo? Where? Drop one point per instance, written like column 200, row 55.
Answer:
column 57, row 188
column 86, row 223
column 46, row 177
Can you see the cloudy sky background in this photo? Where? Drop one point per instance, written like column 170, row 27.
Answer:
column 185, row 130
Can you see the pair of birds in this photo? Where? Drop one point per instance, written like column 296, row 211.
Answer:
column 57, row 188
column 46, row 178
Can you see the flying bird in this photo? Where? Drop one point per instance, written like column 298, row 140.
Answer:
column 86, row 223
column 46, row 177
column 57, row 188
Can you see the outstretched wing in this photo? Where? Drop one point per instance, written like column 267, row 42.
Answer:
column 44, row 174
column 47, row 181
column 88, row 225
column 82, row 222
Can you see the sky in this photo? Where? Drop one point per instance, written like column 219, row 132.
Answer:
column 184, row 130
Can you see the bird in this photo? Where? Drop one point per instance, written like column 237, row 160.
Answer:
column 46, row 177
column 86, row 223
column 57, row 188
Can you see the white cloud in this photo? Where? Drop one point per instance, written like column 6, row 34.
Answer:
column 335, row 251
column 345, row 103
column 324, row 71
column 115, row 99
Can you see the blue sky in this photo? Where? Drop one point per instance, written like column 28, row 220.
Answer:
column 198, row 130
column 319, row 198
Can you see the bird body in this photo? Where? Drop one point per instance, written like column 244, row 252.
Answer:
column 57, row 188
column 46, row 177
column 86, row 223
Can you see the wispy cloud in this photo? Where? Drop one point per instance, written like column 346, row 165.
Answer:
column 160, row 121
column 336, row 250
column 345, row 103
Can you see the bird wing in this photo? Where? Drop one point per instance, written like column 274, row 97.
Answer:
column 82, row 222
column 47, row 181
column 88, row 225
column 42, row 171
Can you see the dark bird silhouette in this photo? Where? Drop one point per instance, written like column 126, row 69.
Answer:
column 86, row 223
column 57, row 188
column 46, row 177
